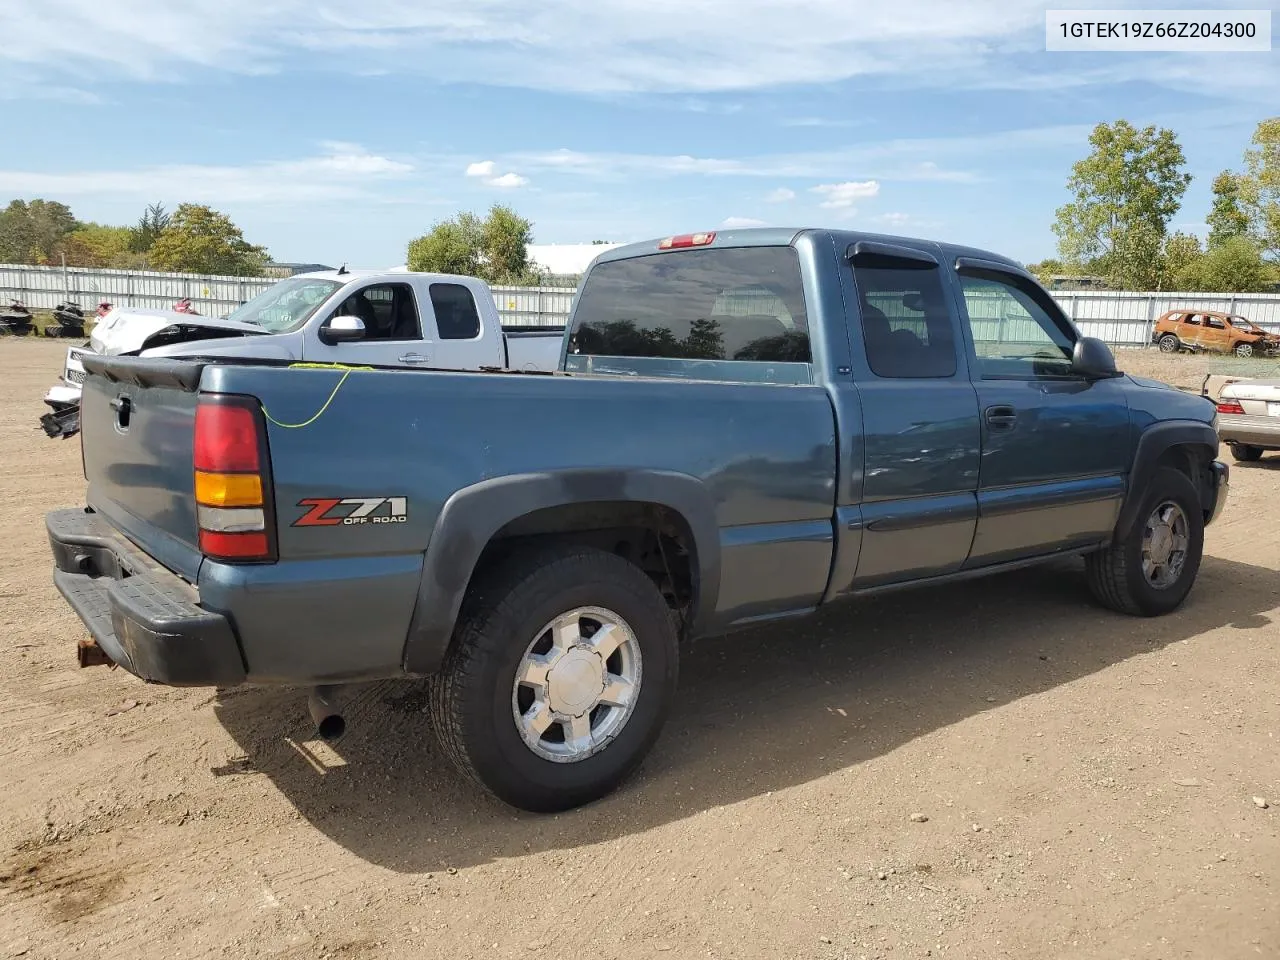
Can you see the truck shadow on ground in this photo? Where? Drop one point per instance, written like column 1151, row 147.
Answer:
column 756, row 711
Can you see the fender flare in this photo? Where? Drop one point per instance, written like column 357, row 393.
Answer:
column 471, row 516
column 1154, row 442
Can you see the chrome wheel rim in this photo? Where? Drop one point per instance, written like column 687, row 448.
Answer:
column 1244, row 350
column 1165, row 541
column 577, row 684
column 1168, row 345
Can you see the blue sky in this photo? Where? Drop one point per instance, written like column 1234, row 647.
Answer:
column 338, row 131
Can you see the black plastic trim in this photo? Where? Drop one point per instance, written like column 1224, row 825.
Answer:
column 472, row 515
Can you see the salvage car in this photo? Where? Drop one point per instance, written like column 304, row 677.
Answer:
column 744, row 427
column 1249, row 417
column 386, row 317
column 1213, row 332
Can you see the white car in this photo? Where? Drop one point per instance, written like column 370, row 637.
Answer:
column 386, row 318
column 1249, row 417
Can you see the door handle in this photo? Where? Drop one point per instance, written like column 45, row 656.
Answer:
column 414, row 358
column 1001, row 417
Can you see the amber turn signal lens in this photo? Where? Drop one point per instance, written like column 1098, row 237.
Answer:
column 228, row 489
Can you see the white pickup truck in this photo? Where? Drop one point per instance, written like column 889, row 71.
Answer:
column 387, row 318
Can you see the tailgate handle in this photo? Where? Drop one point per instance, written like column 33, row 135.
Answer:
column 122, row 406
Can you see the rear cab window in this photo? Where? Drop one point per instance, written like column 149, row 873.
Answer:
column 907, row 330
column 734, row 314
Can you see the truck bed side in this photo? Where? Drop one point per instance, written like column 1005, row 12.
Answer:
column 759, row 459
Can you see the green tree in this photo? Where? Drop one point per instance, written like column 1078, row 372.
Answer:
column 1181, row 252
column 1124, row 194
column 1234, row 266
column 1260, row 187
column 153, row 222
column 30, row 232
column 504, row 246
column 95, row 245
column 1047, row 269
column 496, row 249
column 201, row 240
column 1227, row 218
column 451, row 246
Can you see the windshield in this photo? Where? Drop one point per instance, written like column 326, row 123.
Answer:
column 286, row 305
column 1240, row 323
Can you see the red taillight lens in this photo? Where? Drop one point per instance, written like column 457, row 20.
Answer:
column 235, row 546
column 1230, row 406
column 226, row 438
column 686, row 240
column 232, row 482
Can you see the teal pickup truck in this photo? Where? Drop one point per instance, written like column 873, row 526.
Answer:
column 745, row 426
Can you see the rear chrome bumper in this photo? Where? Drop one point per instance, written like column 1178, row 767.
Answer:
column 145, row 618
column 1256, row 431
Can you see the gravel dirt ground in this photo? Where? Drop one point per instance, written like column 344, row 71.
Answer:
column 998, row 769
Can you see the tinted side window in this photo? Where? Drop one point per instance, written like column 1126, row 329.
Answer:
column 743, row 304
column 388, row 310
column 906, row 326
column 456, row 314
column 1016, row 331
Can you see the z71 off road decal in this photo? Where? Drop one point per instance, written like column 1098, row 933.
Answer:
column 367, row 510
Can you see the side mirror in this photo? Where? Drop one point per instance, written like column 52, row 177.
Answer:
column 1093, row 359
column 342, row 330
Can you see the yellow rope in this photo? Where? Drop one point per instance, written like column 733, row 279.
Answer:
column 316, row 416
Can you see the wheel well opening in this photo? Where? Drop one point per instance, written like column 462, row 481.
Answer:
column 1193, row 462
column 654, row 537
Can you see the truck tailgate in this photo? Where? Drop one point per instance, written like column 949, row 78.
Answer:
column 137, row 428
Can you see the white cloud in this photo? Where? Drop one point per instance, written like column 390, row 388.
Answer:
column 487, row 170
column 781, row 195
column 816, row 122
column 842, row 196
column 508, row 180
column 893, row 219
column 342, row 171
column 903, row 159
column 585, row 46
column 738, row 223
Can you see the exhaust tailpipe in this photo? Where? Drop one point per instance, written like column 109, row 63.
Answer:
column 322, row 703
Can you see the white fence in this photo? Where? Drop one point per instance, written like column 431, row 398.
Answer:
column 42, row 288
column 1120, row 318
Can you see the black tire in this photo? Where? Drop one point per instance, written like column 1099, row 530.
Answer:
column 1246, row 453
column 472, row 695
column 1115, row 574
column 1169, row 343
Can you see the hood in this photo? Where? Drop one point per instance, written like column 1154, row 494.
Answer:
column 1150, row 384
column 128, row 330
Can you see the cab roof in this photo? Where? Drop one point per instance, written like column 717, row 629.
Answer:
column 784, row 236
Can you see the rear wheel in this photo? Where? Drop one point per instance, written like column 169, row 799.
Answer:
column 1151, row 571
column 1168, row 343
column 1246, row 453
column 561, row 674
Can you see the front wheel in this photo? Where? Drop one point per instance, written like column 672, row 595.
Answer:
column 1151, row 571
column 1168, row 343
column 560, row 677
column 1244, row 349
